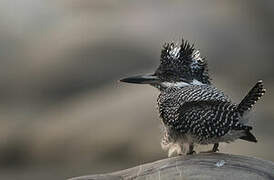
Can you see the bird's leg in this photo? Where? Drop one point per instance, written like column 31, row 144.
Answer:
column 214, row 149
column 191, row 149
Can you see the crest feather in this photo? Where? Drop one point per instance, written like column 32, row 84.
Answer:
column 185, row 60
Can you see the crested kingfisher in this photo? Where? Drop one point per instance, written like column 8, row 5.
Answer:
column 192, row 110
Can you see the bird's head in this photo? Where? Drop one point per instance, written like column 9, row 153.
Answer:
column 181, row 65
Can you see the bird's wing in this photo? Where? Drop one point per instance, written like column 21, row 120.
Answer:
column 172, row 99
column 208, row 119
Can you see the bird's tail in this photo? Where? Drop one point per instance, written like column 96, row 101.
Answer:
column 251, row 98
column 248, row 136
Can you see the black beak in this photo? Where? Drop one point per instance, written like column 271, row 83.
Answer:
column 142, row 79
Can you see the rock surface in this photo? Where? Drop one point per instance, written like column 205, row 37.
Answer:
column 201, row 166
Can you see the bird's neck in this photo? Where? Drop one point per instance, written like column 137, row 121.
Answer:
column 181, row 84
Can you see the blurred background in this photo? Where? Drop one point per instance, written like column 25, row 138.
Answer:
column 63, row 112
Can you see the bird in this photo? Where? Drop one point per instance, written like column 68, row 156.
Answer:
column 191, row 109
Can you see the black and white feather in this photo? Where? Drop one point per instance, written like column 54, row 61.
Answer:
column 182, row 62
column 192, row 110
column 198, row 113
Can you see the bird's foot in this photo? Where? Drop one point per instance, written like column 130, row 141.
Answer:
column 215, row 147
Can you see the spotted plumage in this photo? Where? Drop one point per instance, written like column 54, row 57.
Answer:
column 182, row 63
column 192, row 110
